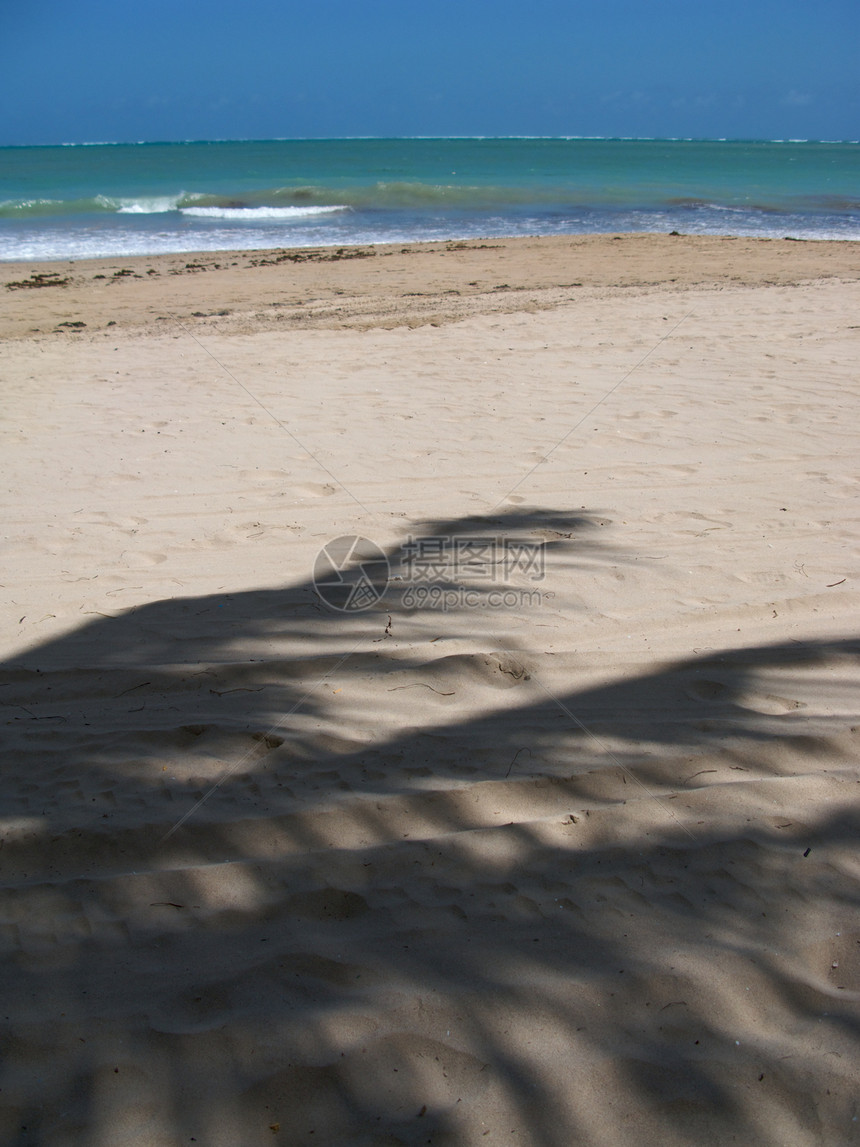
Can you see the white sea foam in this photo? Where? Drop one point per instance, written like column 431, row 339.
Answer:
column 156, row 205
column 8, row 205
column 254, row 213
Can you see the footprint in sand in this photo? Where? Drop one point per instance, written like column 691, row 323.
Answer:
column 147, row 559
column 768, row 704
column 316, row 489
column 327, row 904
column 264, row 476
column 499, row 670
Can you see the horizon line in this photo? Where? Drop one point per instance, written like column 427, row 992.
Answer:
column 430, row 138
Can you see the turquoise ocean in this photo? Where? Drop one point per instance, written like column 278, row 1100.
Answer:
column 79, row 201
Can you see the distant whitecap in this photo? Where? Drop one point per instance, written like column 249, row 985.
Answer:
column 254, row 213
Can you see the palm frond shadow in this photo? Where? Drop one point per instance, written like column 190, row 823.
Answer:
column 359, row 942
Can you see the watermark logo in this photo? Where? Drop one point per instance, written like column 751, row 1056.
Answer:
column 351, row 573
column 442, row 572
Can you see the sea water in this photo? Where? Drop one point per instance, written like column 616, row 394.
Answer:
column 88, row 200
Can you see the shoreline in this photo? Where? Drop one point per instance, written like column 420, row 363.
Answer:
column 388, row 285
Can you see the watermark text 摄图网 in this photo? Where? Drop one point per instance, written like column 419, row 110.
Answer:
column 451, row 558
column 441, row 572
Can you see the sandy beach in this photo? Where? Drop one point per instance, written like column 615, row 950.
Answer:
column 554, row 842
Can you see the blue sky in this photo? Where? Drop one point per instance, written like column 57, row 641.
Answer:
column 99, row 71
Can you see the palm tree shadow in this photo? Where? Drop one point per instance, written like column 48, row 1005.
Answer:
column 231, row 920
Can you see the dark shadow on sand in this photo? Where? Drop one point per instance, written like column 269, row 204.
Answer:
column 284, row 966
